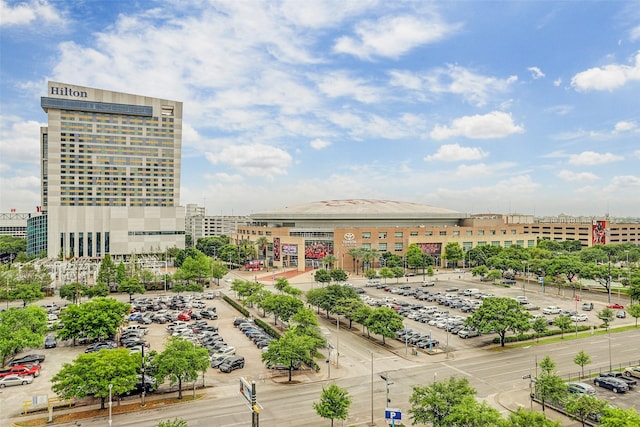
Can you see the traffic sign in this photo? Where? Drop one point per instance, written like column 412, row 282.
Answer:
column 245, row 390
column 392, row 414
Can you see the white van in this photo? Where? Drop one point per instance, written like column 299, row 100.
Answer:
column 470, row 292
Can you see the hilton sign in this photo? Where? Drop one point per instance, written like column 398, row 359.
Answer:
column 67, row 91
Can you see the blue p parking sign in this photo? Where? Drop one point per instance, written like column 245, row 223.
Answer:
column 392, row 414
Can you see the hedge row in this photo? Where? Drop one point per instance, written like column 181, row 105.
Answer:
column 264, row 325
column 548, row 333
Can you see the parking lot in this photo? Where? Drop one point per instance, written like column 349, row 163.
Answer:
column 12, row 398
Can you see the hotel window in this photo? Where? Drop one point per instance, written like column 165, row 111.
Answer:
column 72, row 244
column 520, row 243
column 397, row 234
column 480, row 232
column 382, row 247
column 414, row 233
column 456, row 233
column 366, row 246
column 428, row 233
column 89, row 244
column 467, row 246
column 513, row 231
column 366, row 234
column 492, row 232
column 482, row 244
column 469, row 233
column 382, row 235
column 495, row 243
column 443, row 233
column 397, row 247
column 507, row 243
column 503, row 232
column 98, row 247
column 531, row 243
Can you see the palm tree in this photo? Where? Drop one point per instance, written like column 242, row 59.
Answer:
column 328, row 261
column 263, row 244
column 369, row 256
column 356, row 254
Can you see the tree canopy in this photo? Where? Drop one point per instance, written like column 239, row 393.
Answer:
column 334, row 403
column 181, row 361
column 21, row 328
column 501, row 315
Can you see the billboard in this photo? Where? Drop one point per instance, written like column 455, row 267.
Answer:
column 599, row 233
column 276, row 249
column 289, row 249
column 317, row 249
column 431, row 248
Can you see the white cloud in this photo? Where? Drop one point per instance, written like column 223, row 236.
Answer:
column 474, row 88
column 456, row 153
column 636, row 154
column 338, row 84
column 624, row 126
column 608, row 77
column 20, row 140
column 557, row 82
column 405, row 79
column 319, row 144
column 33, row 11
column 634, row 34
column 254, row 159
column 560, row 110
column 392, row 37
column 536, row 73
column 591, row 158
column 492, row 125
column 567, row 175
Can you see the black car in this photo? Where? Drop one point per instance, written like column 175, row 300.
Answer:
column 108, row 345
column 231, row 364
column 630, row 381
column 50, row 342
column 612, row 383
column 29, row 358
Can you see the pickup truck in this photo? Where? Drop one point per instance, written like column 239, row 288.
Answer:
column 21, row 370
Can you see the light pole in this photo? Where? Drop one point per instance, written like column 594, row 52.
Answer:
column 526, row 277
column 385, row 377
column 110, row 403
column 372, row 423
column 337, row 340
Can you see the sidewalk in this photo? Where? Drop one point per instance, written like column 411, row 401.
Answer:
column 512, row 400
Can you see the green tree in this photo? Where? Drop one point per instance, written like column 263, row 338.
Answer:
column 525, row 418
column 384, row 321
column 27, row 292
column 246, row 288
column 131, row 286
column 262, row 244
column 21, row 328
column 99, row 290
column 500, row 315
column 281, row 283
column 606, row 315
column 563, row 323
column 99, row 318
column 91, row 374
column 11, row 246
column 453, row 253
column 334, row 403
column 176, row 422
column 71, row 291
column 386, row 273
column 328, row 261
column 339, row 275
column 416, row 257
column 618, row 417
column 398, row 272
column 480, row 271
column 581, row 406
column 290, row 350
column 181, row 361
column 634, row 311
column 108, row 272
column 549, row 386
column 322, row 276
column 494, row 274
column 471, row 413
column 281, row 306
column 218, row 270
column 582, row 359
column 434, row 403
column 540, row 326
column 370, row 274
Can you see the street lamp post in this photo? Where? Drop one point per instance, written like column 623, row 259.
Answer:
column 372, row 423
column 110, row 403
column 337, row 341
column 526, row 277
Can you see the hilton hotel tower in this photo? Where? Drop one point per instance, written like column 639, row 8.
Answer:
column 110, row 174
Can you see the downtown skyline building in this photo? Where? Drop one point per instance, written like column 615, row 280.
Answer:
column 110, row 175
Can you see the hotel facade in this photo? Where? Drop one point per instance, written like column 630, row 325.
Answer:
column 110, row 170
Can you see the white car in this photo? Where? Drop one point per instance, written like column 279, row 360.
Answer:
column 579, row 317
column 552, row 309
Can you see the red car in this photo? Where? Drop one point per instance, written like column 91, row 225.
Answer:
column 184, row 316
column 615, row 305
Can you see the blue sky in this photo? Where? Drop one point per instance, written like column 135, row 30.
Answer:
column 523, row 106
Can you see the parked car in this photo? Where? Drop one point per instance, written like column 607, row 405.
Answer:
column 468, row 333
column 522, row 299
column 621, row 314
column 11, row 380
column 103, row 345
column 630, row 381
column 218, row 360
column 552, row 309
column 29, row 358
column 632, row 371
column 427, row 283
column 614, row 384
column 587, row 306
column 615, row 305
column 50, row 342
column 579, row 317
column 582, row 388
column 24, row 370
column 231, row 364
